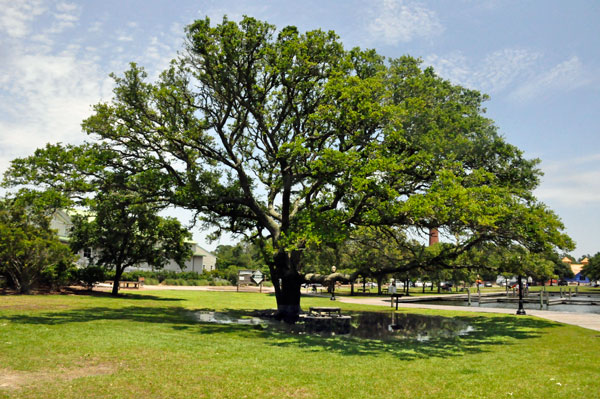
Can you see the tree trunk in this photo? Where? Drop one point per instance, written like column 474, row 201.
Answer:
column 117, row 280
column 379, row 282
column 287, row 283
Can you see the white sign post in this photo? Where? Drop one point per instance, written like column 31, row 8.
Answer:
column 258, row 278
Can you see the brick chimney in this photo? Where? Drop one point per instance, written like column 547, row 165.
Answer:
column 434, row 236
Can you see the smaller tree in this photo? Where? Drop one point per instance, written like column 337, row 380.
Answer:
column 592, row 269
column 125, row 232
column 28, row 246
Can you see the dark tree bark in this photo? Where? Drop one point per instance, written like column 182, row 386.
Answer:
column 117, row 280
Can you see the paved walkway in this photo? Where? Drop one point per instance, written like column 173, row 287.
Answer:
column 585, row 320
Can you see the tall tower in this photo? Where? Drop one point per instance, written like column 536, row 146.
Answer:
column 434, row 236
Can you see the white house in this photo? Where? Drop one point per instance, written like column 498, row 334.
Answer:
column 201, row 260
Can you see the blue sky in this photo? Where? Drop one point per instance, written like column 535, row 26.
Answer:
column 538, row 60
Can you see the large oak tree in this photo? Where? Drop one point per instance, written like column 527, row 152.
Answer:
column 293, row 140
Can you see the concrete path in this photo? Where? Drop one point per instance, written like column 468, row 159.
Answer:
column 585, row 320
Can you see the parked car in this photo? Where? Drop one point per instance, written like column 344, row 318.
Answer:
column 563, row 282
column 487, row 284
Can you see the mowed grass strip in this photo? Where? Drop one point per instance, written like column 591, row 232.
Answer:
column 148, row 345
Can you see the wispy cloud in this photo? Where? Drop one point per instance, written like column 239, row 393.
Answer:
column 395, row 21
column 125, row 38
column 494, row 73
column 572, row 182
column 66, row 16
column 47, row 99
column 518, row 72
column 16, row 16
column 48, row 83
column 566, row 76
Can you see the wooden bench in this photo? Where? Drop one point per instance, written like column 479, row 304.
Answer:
column 365, row 290
column 324, row 311
column 127, row 284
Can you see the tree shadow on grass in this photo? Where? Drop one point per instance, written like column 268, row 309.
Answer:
column 489, row 331
column 123, row 295
column 175, row 315
column 486, row 332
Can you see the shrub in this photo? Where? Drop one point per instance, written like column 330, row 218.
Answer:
column 90, row 275
column 60, row 275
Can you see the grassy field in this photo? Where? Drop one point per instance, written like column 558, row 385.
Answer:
column 147, row 345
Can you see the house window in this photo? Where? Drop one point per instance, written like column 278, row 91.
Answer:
column 87, row 253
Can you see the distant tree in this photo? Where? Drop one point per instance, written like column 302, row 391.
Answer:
column 242, row 255
column 561, row 270
column 592, row 269
column 28, row 247
column 124, row 232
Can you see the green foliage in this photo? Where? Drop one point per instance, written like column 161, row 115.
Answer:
column 91, row 275
column 59, row 275
column 592, row 269
column 291, row 140
column 243, row 255
column 29, row 249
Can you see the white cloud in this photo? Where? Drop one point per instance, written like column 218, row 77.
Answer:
column 48, row 84
column 566, row 76
column 496, row 72
column 96, row 27
column 516, row 71
column 47, row 88
column 125, row 38
column 67, row 17
column 572, row 182
column 16, row 16
column 67, row 7
column 395, row 21
column 49, row 97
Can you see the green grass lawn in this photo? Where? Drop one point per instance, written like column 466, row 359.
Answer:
column 147, row 345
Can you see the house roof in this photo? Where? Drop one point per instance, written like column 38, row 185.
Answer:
column 576, row 267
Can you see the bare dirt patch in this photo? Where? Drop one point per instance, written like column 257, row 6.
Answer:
column 14, row 379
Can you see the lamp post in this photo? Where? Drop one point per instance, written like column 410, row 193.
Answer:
column 333, row 269
column 521, row 311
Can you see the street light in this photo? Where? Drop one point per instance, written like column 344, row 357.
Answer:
column 333, row 269
column 521, row 311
